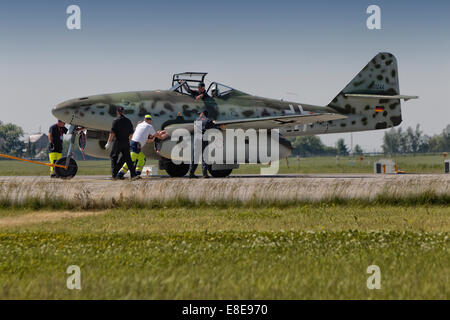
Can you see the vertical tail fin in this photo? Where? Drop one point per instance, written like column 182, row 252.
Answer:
column 378, row 78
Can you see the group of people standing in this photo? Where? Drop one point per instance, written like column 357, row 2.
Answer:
column 127, row 144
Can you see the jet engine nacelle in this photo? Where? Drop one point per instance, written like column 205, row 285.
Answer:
column 95, row 144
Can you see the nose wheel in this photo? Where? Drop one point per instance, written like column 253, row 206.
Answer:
column 219, row 173
column 70, row 171
column 70, row 165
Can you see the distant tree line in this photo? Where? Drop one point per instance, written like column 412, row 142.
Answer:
column 305, row 146
column 395, row 141
column 414, row 141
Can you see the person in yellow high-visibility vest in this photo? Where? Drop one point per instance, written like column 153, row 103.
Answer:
column 144, row 133
column 55, row 139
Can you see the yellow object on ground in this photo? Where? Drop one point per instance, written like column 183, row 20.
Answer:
column 138, row 159
column 54, row 156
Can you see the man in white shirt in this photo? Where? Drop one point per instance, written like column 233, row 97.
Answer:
column 144, row 133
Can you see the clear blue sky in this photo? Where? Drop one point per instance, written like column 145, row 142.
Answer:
column 268, row 48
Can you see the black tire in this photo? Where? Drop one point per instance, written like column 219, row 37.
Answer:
column 219, row 173
column 71, row 170
column 175, row 170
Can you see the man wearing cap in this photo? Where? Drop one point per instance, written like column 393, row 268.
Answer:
column 205, row 125
column 55, row 139
column 144, row 133
column 122, row 130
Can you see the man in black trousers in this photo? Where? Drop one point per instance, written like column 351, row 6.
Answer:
column 205, row 125
column 122, row 130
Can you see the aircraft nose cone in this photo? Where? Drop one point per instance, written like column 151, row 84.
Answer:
column 62, row 111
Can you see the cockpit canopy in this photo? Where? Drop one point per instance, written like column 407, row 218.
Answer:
column 192, row 79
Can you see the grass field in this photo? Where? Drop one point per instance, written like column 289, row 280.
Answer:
column 432, row 163
column 410, row 164
column 304, row 251
column 186, row 248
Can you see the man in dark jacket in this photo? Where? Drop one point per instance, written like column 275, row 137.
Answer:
column 122, row 130
column 55, row 139
column 199, row 94
column 206, row 124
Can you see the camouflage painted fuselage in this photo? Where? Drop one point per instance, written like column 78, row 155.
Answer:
column 97, row 112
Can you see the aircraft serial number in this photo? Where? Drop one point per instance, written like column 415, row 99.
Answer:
column 379, row 86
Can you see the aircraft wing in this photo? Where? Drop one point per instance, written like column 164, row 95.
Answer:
column 265, row 122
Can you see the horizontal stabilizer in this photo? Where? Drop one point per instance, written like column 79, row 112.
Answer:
column 378, row 96
column 265, row 122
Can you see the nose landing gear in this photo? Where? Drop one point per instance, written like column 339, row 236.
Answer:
column 70, row 169
column 70, row 165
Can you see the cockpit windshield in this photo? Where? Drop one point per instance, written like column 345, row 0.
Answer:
column 219, row 90
column 181, row 88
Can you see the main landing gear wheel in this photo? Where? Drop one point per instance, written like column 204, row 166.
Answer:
column 68, row 173
column 219, row 173
column 175, row 170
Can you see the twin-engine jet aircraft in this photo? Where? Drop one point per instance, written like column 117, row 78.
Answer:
column 371, row 101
